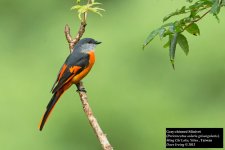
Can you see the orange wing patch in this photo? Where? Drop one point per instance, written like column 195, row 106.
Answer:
column 74, row 69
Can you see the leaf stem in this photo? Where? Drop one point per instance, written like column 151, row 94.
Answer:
column 196, row 20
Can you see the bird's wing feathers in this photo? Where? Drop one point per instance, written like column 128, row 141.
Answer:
column 73, row 66
column 61, row 71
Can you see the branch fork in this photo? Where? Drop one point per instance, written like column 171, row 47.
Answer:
column 74, row 41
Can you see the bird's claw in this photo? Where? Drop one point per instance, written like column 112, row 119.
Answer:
column 82, row 90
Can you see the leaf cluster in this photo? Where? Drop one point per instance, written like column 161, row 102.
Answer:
column 82, row 9
column 188, row 22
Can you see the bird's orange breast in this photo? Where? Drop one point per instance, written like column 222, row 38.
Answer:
column 83, row 73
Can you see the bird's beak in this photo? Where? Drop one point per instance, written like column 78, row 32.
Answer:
column 97, row 42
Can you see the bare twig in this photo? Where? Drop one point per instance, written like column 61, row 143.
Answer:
column 92, row 120
column 80, row 33
column 83, row 96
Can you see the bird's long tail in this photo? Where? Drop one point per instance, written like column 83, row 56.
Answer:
column 51, row 104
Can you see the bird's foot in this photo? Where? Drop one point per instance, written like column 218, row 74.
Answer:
column 80, row 87
column 81, row 90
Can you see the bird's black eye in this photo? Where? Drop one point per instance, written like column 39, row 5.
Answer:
column 89, row 42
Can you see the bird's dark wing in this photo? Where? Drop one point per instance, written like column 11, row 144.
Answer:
column 73, row 65
column 61, row 71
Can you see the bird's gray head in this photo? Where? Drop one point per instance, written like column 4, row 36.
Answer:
column 86, row 44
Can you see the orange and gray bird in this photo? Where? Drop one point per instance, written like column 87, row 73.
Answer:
column 75, row 68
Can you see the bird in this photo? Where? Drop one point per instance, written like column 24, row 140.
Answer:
column 75, row 68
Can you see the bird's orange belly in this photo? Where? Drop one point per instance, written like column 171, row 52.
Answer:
column 81, row 75
column 76, row 79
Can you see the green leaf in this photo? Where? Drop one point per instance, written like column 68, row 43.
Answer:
column 76, row 7
column 78, row 1
column 217, row 18
column 215, row 7
column 172, row 49
column 151, row 37
column 193, row 13
column 193, row 29
column 178, row 25
column 167, row 24
column 177, row 12
column 81, row 9
column 175, row 27
column 223, row 3
column 168, row 43
column 190, row 1
column 96, row 10
column 182, row 41
column 172, row 28
column 201, row 4
column 95, row 3
column 162, row 32
column 167, row 27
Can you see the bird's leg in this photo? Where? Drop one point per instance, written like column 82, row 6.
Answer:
column 80, row 87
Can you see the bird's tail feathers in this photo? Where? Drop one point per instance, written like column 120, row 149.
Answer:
column 51, row 105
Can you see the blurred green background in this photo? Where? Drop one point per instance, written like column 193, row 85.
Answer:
column 134, row 94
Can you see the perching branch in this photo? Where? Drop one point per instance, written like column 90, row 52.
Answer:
column 83, row 95
column 92, row 120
